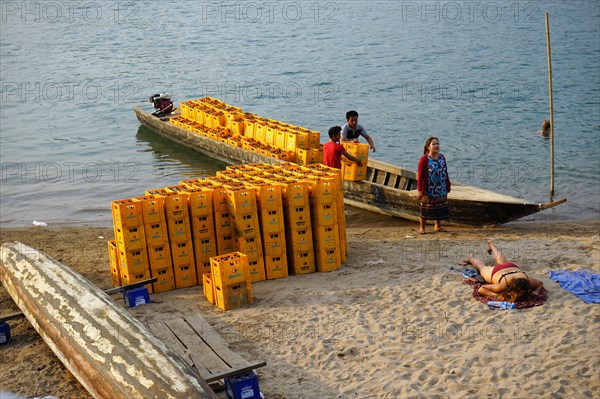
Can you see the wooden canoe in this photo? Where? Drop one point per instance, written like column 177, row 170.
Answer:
column 388, row 189
column 110, row 352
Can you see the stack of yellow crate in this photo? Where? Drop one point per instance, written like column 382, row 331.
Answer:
column 180, row 234
column 228, row 286
column 272, row 227
column 157, row 240
column 200, row 207
column 351, row 170
column 261, row 210
column 115, row 267
column 298, row 227
column 246, row 228
column 130, row 239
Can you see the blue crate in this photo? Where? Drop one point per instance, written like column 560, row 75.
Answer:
column 136, row 297
column 243, row 386
column 4, row 333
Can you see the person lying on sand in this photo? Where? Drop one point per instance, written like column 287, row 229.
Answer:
column 505, row 281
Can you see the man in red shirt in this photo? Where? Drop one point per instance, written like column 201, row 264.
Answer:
column 333, row 150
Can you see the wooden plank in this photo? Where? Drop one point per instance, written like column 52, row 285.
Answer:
column 12, row 316
column 198, row 349
column 232, row 372
column 162, row 331
column 109, row 351
column 116, row 290
column 215, row 341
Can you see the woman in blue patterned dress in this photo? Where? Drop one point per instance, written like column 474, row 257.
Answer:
column 433, row 186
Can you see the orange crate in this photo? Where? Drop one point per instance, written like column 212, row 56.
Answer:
column 176, row 205
column 166, row 279
column 327, row 236
column 322, row 190
column 233, row 296
column 204, row 249
column 246, row 225
column 276, row 266
column 156, row 233
column 230, row 268
column 250, row 246
column 327, row 259
column 179, row 230
column 185, row 275
column 127, row 212
column 153, row 208
column 200, row 201
column 241, row 201
column 132, row 237
column 272, row 221
column 130, row 278
column 113, row 257
column 203, row 226
column 225, row 244
column 314, row 139
column 297, row 217
column 159, row 257
column 133, row 261
column 223, row 224
column 256, row 270
column 302, row 263
column 323, row 214
column 300, row 239
column 182, row 253
column 274, row 244
column 208, row 288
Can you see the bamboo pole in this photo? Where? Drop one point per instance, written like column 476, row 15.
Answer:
column 551, row 107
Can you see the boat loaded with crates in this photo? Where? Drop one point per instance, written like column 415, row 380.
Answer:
column 227, row 133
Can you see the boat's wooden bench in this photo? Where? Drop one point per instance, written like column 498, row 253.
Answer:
column 196, row 341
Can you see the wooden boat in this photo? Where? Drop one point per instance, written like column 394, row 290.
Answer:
column 388, row 189
column 109, row 351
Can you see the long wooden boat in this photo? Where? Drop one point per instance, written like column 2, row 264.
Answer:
column 110, row 352
column 388, row 189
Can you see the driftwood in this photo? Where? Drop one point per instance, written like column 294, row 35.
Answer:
column 110, row 352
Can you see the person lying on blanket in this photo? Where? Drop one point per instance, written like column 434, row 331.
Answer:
column 505, row 281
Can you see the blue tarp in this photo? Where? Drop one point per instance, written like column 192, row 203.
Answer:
column 583, row 283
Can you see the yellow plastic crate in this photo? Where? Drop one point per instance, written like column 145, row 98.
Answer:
column 127, row 212
column 156, row 233
column 208, row 288
column 185, row 275
column 302, row 262
column 276, row 266
column 230, row 268
column 327, row 259
column 233, row 296
column 130, row 237
column 166, row 279
column 159, row 257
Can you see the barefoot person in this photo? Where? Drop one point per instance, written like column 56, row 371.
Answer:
column 505, row 281
column 433, row 186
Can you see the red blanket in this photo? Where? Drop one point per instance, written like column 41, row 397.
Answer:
column 529, row 301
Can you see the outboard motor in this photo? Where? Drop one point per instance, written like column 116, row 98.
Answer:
column 162, row 103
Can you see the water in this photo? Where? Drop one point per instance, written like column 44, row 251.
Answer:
column 473, row 74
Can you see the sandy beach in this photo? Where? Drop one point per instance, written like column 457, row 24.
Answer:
column 393, row 322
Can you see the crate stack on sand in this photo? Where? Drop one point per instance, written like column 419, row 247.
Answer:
column 228, row 285
column 180, row 234
column 284, row 218
column 157, row 240
column 130, row 241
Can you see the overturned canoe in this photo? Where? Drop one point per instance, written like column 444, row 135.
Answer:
column 108, row 350
column 388, row 189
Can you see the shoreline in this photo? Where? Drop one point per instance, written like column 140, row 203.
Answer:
column 393, row 306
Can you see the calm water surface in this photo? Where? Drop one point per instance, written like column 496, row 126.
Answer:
column 473, row 74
